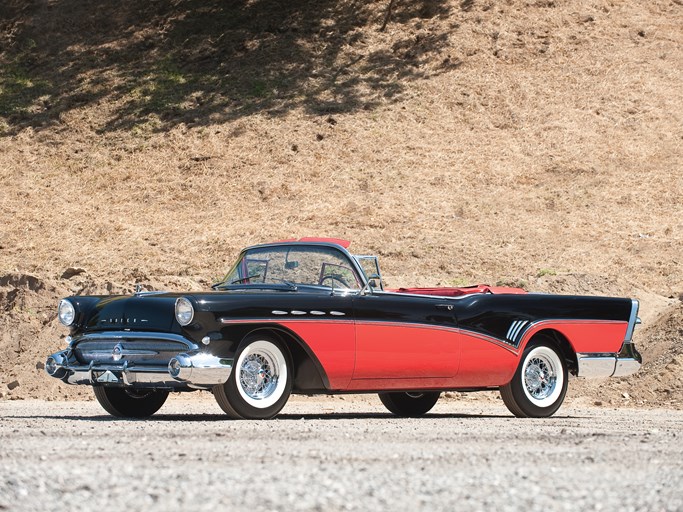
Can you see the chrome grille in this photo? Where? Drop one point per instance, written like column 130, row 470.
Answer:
column 117, row 351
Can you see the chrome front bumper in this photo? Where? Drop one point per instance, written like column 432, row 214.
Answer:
column 193, row 369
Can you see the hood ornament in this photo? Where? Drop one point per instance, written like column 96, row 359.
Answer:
column 138, row 288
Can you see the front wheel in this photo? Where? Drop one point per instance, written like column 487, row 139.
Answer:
column 409, row 404
column 260, row 382
column 130, row 403
column 539, row 385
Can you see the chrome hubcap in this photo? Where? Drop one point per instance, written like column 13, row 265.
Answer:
column 540, row 377
column 259, row 375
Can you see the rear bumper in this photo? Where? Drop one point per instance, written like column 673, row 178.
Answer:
column 192, row 370
column 626, row 362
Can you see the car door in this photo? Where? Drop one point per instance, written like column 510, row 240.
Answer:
column 402, row 336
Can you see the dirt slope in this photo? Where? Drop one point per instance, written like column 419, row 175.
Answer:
column 474, row 141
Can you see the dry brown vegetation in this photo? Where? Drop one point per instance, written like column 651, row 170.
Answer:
column 528, row 142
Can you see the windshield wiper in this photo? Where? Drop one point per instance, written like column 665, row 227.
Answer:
column 223, row 284
column 290, row 284
column 242, row 279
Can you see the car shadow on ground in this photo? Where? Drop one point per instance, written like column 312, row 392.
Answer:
column 291, row 417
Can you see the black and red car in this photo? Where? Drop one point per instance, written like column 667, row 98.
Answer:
column 306, row 316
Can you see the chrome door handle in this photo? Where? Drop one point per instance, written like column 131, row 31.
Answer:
column 446, row 307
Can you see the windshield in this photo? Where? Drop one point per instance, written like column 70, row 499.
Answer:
column 294, row 265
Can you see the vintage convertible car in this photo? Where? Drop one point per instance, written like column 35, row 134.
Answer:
column 305, row 316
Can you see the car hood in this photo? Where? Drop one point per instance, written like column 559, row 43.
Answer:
column 144, row 312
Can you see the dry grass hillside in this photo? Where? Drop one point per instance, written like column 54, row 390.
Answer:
column 530, row 142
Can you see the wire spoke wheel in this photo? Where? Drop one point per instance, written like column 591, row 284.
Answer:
column 259, row 375
column 260, row 382
column 540, row 377
column 539, row 385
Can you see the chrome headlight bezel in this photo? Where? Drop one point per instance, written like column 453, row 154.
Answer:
column 184, row 311
column 66, row 312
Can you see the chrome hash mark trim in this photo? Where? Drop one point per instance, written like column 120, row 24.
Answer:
column 515, row 328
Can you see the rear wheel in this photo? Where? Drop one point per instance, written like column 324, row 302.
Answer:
column 409, row 404
column 130, row 403
column 260, row 382
column 539, row 385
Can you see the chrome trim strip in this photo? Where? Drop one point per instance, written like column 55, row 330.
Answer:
column 512, row 328
column 353, row 262
column 635, row 305
column 532, row 326
column 124, row 352
column 521, row 327
column 515, row 329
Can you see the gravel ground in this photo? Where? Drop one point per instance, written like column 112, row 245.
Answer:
column 329, row 454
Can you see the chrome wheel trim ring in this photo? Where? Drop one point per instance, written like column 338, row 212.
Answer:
column 261, row 374
column 542, row 376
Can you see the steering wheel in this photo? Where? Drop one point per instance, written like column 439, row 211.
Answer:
column 337, row 278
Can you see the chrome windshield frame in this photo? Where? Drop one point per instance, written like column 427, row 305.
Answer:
column 353, row 263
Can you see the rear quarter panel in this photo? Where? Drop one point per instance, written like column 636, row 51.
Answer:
column 492, row 346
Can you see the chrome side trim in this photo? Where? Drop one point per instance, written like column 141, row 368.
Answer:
column 515, row 328
column 633, row 319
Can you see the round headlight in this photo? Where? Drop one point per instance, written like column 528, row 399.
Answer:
column 66, row 312
column 184, row 312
